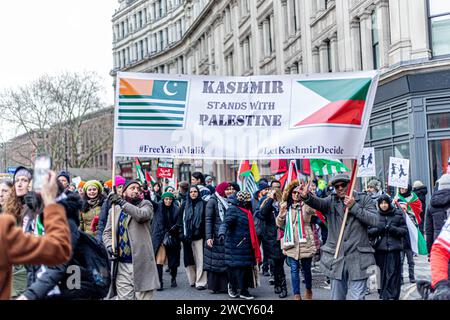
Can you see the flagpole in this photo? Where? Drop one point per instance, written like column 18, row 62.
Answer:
column 350, row 193
column 365, row 183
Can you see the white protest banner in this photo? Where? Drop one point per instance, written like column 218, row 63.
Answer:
column 398, row 172
column 366, row 163
column 238, row 118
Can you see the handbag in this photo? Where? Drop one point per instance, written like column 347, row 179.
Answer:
column 170, row 241
column 375, row 241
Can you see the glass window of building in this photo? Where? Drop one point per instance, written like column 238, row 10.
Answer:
column 375, row 41
column 401, row 150
column 439, row 120
column 439, row 16
column 401, row 126
column 439, row 158
column 381, row 131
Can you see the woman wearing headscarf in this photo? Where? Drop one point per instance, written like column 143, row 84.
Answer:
column 92, row 204
column 242, row 250
column 214, row 258
column 301, row 247
column 191, row 222
column 165, row 221
column 391, row 231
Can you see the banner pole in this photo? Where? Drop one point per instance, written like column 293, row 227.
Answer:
column 113, row 207
column 350, row 192
column 365, row 184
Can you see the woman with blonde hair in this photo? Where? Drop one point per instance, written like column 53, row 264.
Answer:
column 298, row 241
column 92, row 204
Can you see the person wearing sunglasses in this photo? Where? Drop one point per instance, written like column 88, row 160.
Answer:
column 349, row 272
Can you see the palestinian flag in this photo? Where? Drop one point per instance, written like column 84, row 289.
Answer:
column 413, row 204
column 322, row 167
column 149, row 178
column 290, row 175
column 335, row 101
column 139, row 171
column 418, row 243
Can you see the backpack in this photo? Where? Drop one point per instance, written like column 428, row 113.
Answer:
column 93, row 258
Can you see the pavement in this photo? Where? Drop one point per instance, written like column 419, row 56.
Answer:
column 320, row 288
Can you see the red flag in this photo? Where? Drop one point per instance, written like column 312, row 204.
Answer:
column 244, row 168
column 304, row 167
column 289, row 175
column 278, row 166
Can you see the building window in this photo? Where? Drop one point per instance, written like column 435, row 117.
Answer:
column 439, row 21
column 439, row 157
column 375, row 41
column 439, row 120
column 330, row 69
column 381, row 131
column 401, row 150
column 401, row 126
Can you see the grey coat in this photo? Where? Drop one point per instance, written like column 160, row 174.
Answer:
column 356, row 253
column 139, row 226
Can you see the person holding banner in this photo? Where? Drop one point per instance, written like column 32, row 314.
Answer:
column 349, row 272
column 298, row 240
column 137, row 275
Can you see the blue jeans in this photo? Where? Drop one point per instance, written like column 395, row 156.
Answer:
column 295, row 273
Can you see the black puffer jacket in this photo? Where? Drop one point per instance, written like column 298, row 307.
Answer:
column 39, row 287
column 238, row 245
column 214, row 258
column 392, row 229
column 268, row 213
column 436, row 215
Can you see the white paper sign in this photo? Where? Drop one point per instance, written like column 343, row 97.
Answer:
column 398, row 172
column 315, row 116
column 76, row 180
column 366, row 163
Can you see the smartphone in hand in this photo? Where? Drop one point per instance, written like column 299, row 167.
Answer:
column 42, row 166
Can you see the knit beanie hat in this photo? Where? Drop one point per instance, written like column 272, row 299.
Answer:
column 243, row 196
column 65, row 175
column 120, row 181
column 81, row 184
column 129, row 183
column 94, row 183
column 375, row 184
column 108, row 183
column 165, row 189
column 23, row 172
column 167, row 195
column 444, row 182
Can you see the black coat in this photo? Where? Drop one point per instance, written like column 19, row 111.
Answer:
column 268, row 213
column 393, row 236
column 436, row 215
column 163, row 221
column 39, row 287
column 103, row 219
column 421, row 193
column 214, row 258
column 238, row 244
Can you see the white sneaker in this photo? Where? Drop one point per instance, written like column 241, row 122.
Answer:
column 231, row 292
column 246, row 296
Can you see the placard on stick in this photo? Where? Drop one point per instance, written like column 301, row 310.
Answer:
column 366, row 163
column 398, row 172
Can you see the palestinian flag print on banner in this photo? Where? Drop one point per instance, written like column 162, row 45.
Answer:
column 334, row 101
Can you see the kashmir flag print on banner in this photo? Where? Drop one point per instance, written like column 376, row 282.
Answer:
column 152, row 103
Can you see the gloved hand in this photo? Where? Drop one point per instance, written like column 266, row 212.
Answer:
column 94, row 223
column 145, row 185
column 442, row 290
column 174, row 231
column 114, row 198
column 112, row 255
column 222, row 239
column 387, row 227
